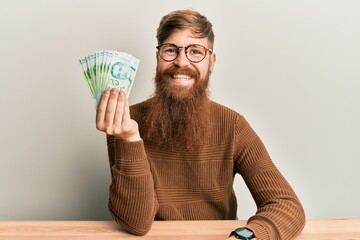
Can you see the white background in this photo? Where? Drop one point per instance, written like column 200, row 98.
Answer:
column 290, row 67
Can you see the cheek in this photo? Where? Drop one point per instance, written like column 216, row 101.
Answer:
column 204, row 70
column 162, row 65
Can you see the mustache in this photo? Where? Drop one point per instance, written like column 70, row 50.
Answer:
column 174, row 70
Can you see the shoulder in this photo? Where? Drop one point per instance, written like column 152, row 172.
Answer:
column 227, row 122
column 138, row 110
column 138, row 106
column 230, row 121
column 221, row 112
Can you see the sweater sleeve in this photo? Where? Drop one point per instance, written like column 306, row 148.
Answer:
column 132, row 200
column 280, row 214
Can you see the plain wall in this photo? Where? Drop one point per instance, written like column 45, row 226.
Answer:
column 290, row 67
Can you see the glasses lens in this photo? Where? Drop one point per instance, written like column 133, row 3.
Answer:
column 196, row 53
column 168, row 52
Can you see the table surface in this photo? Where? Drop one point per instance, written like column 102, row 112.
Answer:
column 180, row 230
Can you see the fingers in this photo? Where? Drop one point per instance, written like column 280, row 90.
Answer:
column 100, row 114
column 109, row 117
column 111, row 108
column 113, row 116
column 126, row 116
column 119, row 111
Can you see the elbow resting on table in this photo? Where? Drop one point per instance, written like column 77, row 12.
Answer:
column 136, row 226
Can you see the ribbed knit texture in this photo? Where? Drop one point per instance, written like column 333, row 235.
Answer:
column 176, row 184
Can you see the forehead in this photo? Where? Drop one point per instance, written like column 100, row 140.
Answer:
column 185, row 38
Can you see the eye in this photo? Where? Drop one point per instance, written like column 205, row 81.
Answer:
column 169, row 49
column 196, row 50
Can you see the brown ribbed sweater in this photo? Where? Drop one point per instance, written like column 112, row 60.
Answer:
column 151, row 183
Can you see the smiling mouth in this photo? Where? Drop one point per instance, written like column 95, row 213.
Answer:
column 181, row 77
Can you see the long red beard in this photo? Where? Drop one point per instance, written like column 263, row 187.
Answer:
column 177, row 116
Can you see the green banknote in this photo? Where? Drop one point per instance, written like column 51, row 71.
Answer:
column 109, row 69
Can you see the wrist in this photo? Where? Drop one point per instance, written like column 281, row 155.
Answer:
column 133, row 138
column 129, row 137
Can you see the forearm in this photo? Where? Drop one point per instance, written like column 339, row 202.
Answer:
column 280, row 214
column 132, row 201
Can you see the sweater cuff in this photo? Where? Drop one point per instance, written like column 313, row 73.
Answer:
column 261, row 229
column 129, row 151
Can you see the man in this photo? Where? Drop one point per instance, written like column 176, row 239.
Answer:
column 175, row 155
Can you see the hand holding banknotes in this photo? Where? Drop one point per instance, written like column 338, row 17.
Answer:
column 113, row 116
column 110, row 75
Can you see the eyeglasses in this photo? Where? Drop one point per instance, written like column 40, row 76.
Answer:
column 194, row 52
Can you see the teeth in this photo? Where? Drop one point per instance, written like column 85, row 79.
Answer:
column 181, row 77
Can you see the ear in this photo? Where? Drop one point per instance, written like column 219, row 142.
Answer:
column 157, row 56
column 212, row 61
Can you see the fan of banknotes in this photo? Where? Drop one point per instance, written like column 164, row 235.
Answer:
column 109, row 69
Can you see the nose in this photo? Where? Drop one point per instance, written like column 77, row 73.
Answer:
column 181, row 59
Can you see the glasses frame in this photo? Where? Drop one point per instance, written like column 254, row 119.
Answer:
column 185, row 48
